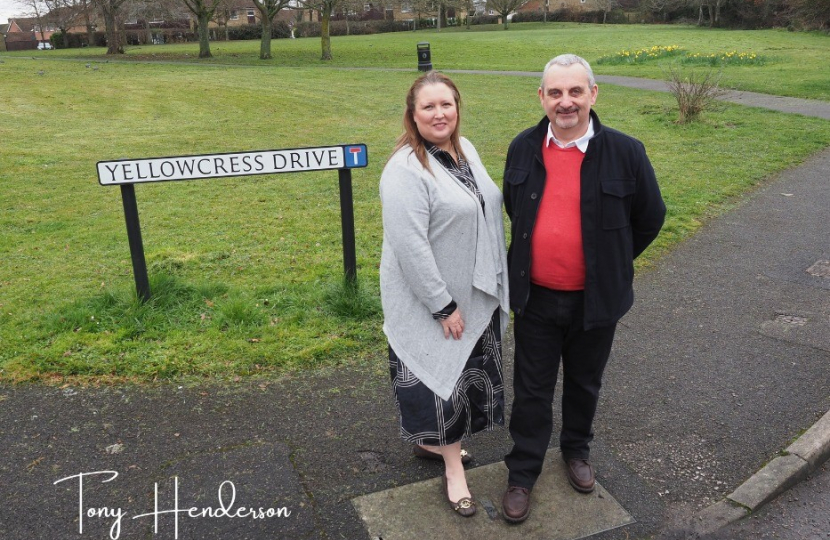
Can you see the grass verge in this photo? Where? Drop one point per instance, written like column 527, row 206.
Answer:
column 795, row 63
column 247, row 272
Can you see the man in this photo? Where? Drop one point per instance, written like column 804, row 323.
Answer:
column 583, row 203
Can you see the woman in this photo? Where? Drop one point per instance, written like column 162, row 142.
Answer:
column 443, row 277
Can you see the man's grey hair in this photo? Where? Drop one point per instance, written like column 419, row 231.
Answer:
column 566, row 60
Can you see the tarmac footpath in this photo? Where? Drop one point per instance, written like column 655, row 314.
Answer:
column 720, row 366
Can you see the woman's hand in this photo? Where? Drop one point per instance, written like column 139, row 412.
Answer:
column 453, row 325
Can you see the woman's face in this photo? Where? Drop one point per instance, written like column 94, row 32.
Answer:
column 436, row 114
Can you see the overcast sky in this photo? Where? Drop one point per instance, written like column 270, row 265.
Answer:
column 10, row 8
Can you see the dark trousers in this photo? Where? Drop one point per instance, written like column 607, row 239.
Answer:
column 551, row 330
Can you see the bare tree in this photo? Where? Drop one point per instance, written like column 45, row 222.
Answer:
column 87, row 13
column 268, row 10
column 37, row 10
column 63, row 14
column 659, row 8
column 505, row 8
column 203, row 10
column 113, row 21
column 606, row 6
column 811, row 13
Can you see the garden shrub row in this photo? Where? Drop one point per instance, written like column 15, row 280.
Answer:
column 616, row 16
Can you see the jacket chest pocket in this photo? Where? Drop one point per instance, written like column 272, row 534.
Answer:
column 515, row 180
column 617, row 196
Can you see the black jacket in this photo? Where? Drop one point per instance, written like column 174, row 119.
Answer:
column 622, row 212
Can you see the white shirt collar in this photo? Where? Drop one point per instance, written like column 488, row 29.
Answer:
column 581, row 143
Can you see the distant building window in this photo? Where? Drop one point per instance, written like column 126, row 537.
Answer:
column 234, row 15
column 251, row 13
column 406, row 6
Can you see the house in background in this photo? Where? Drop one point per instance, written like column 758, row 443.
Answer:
column 553, row 5
column 22, row 34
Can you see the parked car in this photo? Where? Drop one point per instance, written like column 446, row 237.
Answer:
column 44, row 45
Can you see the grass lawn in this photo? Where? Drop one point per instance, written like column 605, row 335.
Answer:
column 795, row 62
column 246, row 271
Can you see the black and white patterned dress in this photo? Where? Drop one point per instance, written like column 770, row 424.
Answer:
column 477, row 401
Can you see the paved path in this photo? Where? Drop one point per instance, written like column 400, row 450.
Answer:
column 806, row 107
column 724, row 359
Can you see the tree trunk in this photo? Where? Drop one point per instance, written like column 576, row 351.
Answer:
column 439, row 17
column 114, row 45
column 700, row 15
column 711, row 16
column 604, row 16
column 149, row 33
column 325, row 37
column 204, row 36
column 65, row 36
column 265, row 42
column 717, row 12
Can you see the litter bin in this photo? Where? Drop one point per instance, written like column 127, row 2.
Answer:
column 424, row 57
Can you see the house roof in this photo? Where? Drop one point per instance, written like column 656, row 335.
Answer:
column 25, row 24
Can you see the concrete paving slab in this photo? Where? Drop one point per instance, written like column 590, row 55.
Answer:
column 419, row 510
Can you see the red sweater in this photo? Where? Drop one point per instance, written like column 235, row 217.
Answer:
column 557, row 259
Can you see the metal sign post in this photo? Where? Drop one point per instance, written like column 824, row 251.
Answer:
column 128, row 172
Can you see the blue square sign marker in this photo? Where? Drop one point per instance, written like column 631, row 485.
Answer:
column 356, row 156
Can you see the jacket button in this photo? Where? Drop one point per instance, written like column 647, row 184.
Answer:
column 533, row 196
column 523, row 273
column 524, row 235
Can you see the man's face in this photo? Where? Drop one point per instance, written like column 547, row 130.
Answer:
column 567, row 96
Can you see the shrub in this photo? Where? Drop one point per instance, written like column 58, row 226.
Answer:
column 355, row 28
column 244, row 32
column 307, row 29
column 695, row 92
column 616, row 16
column 78, row 40
column 279, row 30
column 484, row 19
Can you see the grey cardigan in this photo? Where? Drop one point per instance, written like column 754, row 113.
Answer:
column 438, row 247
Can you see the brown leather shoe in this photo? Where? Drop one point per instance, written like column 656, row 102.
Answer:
column 464, row 507
column 516, row 504
column 580, row 475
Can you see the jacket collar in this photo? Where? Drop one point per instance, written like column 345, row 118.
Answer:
column 536, row 136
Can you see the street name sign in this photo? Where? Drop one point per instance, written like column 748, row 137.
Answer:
column 136, row 171
column 128, row 172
